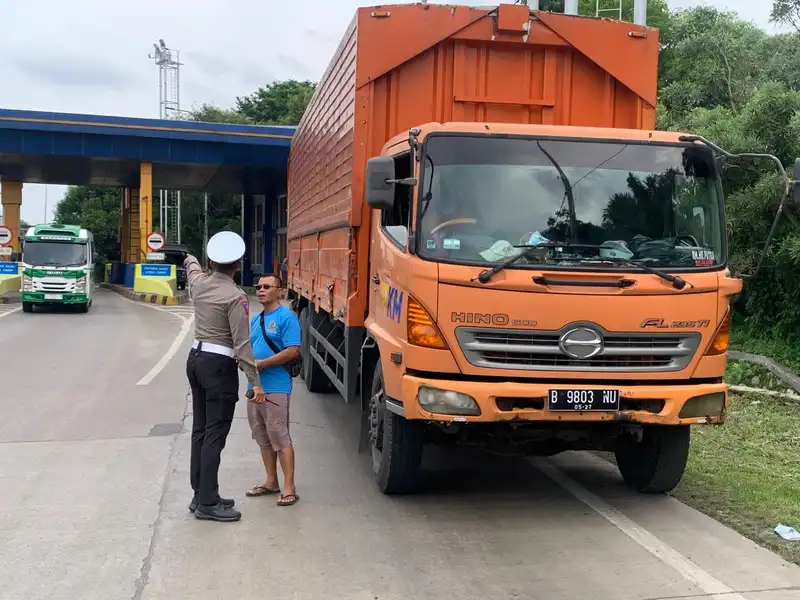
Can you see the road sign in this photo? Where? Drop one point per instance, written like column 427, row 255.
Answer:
column 156, row 256
column 5, row 252
column 6, row 237
column 155, row 241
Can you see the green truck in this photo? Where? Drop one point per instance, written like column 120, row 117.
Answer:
column 57, row 266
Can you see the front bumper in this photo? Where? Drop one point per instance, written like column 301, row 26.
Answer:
column 652, row 404
column 65, row 298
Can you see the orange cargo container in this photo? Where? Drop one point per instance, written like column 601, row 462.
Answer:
column 488, row 243
column 401, row 66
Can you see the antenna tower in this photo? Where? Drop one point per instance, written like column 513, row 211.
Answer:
column 169, row 107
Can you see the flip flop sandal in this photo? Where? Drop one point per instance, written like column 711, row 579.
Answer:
column 295, row 498
column 261, row 490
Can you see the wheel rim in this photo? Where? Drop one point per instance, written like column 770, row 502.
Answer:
column 377, row 418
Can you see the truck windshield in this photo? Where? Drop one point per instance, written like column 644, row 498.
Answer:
column 605, row 203
column 54, row 254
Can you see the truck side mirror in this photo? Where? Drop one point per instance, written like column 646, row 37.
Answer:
column 380, row 192
column 795, row 184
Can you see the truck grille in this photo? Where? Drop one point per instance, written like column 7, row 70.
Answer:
column 545, row 350
column 53, row 285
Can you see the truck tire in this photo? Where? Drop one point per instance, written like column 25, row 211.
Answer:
column 84, row 308
column 27, row 307
column 655, row 465
column 395, row 443
column 316, row 379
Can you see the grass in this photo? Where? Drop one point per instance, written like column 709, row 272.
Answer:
column 747, row 338
column 743, row 373
column 746, row 473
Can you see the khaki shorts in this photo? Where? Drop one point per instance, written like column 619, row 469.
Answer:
column 269, row 422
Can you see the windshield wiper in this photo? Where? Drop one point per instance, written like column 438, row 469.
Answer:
column 486, row 276
column 677, row 282
column 573, row 216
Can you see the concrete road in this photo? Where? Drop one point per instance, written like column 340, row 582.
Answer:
column 94, row 492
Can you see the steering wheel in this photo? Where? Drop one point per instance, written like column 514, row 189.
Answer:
column 451, row 222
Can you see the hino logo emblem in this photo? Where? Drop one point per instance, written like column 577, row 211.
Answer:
column 581, row 343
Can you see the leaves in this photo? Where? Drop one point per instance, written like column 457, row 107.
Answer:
column 96, row 209
column 280, row 103
column 786, row 12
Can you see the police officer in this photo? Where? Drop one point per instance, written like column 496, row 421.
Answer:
column 222, row 335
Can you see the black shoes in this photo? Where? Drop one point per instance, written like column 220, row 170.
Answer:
column 217, row 512
column 226, row 502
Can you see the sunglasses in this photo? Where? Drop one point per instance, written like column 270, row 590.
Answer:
column 264, row 286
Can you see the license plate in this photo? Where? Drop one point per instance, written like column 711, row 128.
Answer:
column 52, row 296
column 572, row 400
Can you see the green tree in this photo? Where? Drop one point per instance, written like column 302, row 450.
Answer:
column 786, row 12
column 279, row 103
column 709, row 58
column 98, row 210
column 209, row 113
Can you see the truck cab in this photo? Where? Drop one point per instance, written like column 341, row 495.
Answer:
column 57, row 267
column 550, row 289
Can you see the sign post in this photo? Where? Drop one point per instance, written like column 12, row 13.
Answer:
column 6, row 236
column 155, row 241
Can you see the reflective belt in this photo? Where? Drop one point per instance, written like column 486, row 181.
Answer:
column 213, row 348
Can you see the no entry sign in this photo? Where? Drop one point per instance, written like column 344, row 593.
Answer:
column 6, row 237
column 155, row 241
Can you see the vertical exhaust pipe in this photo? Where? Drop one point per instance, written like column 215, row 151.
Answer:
column 640, row 12
column 571, row 7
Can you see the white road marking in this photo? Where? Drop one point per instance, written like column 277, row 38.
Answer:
column 173, row 349
column 715, row 589
column 186, row 315
column 10, row 311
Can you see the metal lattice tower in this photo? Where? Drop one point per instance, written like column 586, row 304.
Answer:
column 608, row 10
column 169, row 80
column 169, row 107
column 614, row 10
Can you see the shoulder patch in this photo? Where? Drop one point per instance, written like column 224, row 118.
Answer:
column 245, row 305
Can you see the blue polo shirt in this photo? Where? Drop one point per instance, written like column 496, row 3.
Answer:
column 283, row 329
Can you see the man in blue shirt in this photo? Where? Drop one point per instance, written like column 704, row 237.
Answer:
column 275, row 337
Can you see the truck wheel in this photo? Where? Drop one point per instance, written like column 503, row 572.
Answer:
column 316, row 379
column 27, row 307
column 395, row 442
column 654, row 465
column 84, row 308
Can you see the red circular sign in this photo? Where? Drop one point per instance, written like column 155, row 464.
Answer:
column 6, row 236
column 155, row 241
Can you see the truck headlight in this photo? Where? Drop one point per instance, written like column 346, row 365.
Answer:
column 80, row 285
column 27, row 284
column 445, row 402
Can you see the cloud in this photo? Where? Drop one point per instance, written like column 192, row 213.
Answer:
column 59, row 70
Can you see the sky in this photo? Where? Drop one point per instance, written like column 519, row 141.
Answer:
column 91, row 56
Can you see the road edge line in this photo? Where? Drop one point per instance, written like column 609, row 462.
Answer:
column 10, row 312
column 710, row 586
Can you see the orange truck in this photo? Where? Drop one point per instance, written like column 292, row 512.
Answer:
column 489, row 244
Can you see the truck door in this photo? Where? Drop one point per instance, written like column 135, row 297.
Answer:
column 388, row 264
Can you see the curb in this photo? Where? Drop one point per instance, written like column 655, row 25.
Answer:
column 9, row 300
column 147, row 298
column 781, row 372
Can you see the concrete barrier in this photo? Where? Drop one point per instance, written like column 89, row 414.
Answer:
column 147, row 297
column 156, row 279
column 10, row 278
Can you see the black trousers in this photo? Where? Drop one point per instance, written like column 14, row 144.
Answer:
column 214, row 380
